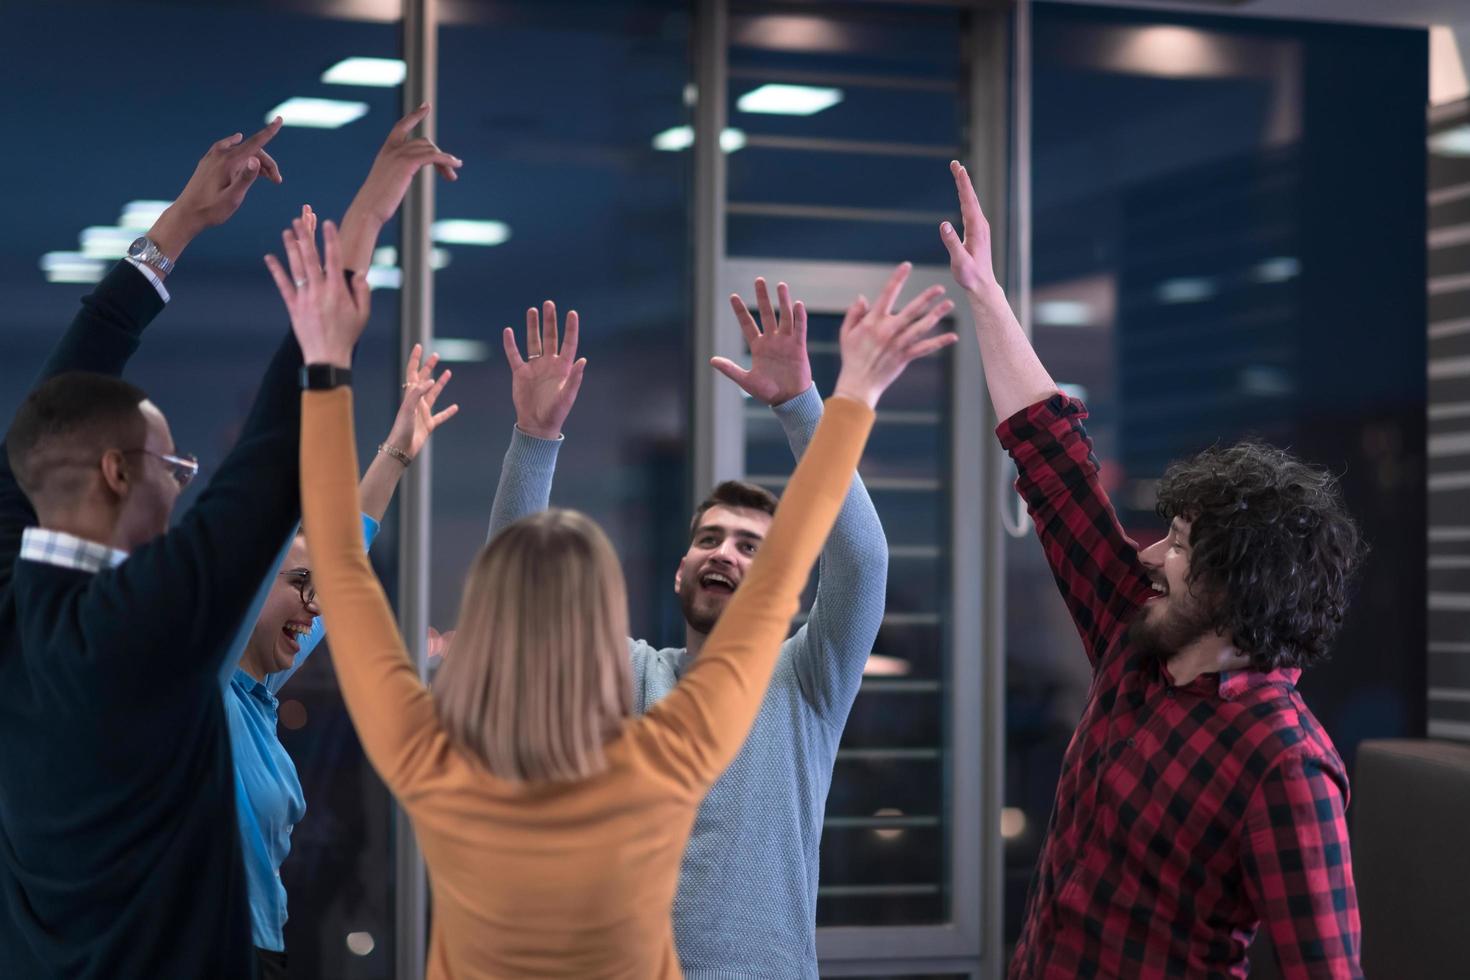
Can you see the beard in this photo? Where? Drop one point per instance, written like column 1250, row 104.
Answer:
column 1163, row 634
column 699, row 611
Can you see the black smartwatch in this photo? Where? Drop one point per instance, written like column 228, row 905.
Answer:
column 321, row 377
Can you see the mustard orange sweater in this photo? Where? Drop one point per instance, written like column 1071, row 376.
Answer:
column 559, row 879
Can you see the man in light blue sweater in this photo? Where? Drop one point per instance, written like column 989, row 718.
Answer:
column 746, row 905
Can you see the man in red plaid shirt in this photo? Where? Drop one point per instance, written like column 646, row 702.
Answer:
column 1199, row 797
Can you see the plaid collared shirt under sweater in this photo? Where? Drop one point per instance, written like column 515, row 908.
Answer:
column 1186, row 816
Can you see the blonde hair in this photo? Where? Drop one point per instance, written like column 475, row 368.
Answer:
column 537, row 677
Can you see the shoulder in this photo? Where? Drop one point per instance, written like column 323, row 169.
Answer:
column 1272, row 727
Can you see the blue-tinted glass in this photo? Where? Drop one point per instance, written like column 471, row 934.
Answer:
column 599, row 222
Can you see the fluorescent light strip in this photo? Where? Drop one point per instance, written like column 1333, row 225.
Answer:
column 140, row 215
column 465, row 231
column 459, row 349
column 384, row 277
column 388, row 255
column 1279, row 269
column 318, row 113
column 373, row 72
column 72, row 267
column 1063, row 313
column 106, row 241
column 1185, row 290
column 789, row 100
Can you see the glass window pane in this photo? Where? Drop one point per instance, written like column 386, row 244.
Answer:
column 599, row 222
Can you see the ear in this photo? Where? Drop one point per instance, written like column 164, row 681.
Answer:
column 678, row 578
column 115, row 474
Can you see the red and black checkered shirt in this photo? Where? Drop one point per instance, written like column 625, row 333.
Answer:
column 1185, row 815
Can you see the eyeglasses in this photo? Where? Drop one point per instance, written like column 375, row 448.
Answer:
column 182, row 468
column 300, row 578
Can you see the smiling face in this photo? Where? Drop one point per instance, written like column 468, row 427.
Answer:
column 284, row 619
column 720, row 552
column 1175, row 617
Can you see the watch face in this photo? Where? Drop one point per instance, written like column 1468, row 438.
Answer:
column 139, row 246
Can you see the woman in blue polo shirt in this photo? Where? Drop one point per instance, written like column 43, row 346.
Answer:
column 268, row 798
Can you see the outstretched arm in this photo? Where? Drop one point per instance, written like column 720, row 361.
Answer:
column 831, row 648
column 109, row 327
column 390, row 707
column 415, row 422
column 543, row 386
column 401, row 157
column 1013, row 373
column 1095, row 564
column 215, row 191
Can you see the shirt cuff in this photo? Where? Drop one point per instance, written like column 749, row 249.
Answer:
column 1034, row 421
column 531, row 454
column 803, row 411
column 150, row 275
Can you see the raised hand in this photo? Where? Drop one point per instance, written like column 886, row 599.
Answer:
column 327, row 314
column 970, row 261
column 877, row 343
column 779, row 368
column 393, row 170
column 216, row 189
column 545, row 382
column 416, row 419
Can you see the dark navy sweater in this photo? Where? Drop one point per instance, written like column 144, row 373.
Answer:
column 119, row 855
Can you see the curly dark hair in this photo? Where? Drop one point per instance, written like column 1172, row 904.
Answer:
column 1271, row 545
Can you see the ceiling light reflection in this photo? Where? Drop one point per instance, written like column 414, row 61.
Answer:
column 678, row 138
column 317, row 113
column 465, row 231
column 72, row 267
column 789, row 100
column 372, row 72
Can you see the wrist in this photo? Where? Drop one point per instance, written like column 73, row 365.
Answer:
column 402, row 443
column 858, row 391
column 173, row 231
column 785, row 397
column 548, row 433
column 318, row 355
column 987, row 296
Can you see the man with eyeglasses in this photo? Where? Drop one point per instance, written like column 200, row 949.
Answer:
column 114, row 779
column 119, row 847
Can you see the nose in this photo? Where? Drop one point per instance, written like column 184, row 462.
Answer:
column 1151, row 556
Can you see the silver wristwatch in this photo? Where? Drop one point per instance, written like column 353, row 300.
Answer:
column 145, row 250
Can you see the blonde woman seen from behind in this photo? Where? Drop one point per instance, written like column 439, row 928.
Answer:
column 553, row 823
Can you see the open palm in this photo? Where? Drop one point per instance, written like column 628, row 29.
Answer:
column 544, row 383
column 779, row 367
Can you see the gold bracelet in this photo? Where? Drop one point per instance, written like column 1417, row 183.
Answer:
column 396, row 453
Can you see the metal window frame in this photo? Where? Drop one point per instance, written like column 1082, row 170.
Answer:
column 420, row 27
column 973, row 940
